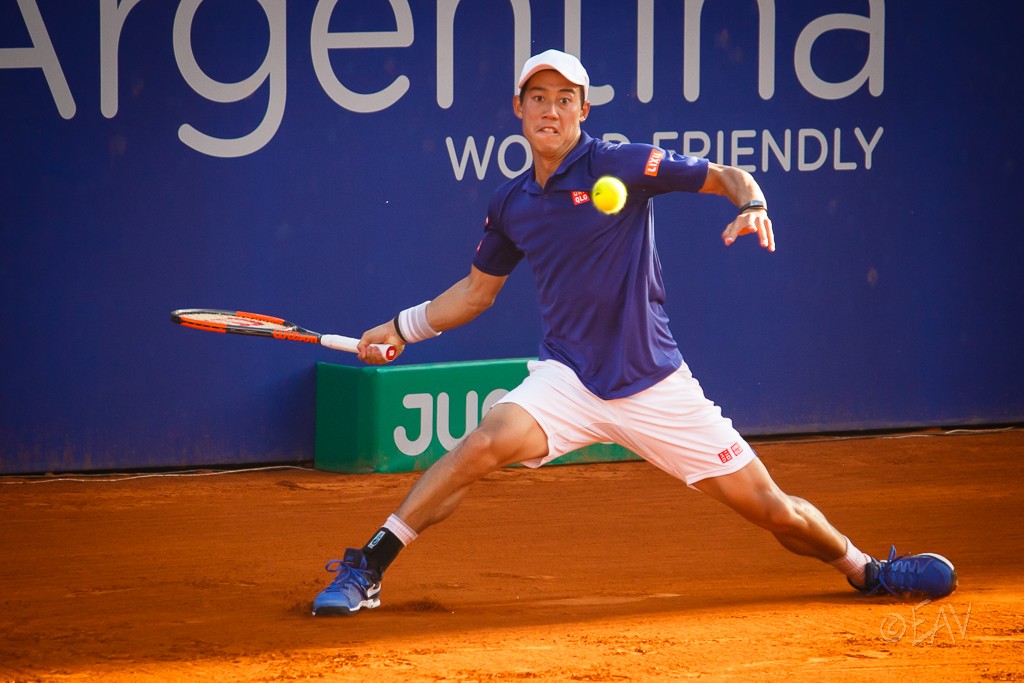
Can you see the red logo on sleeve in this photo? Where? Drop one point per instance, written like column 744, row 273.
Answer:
column 654, row 161
column 580, row 197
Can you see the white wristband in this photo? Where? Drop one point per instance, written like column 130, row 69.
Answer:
column 412, row 325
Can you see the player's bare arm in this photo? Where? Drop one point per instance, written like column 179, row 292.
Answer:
column 465, row 300
column 741, row 189
column 458, row 305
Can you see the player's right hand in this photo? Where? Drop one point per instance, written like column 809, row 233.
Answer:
column 382, row 334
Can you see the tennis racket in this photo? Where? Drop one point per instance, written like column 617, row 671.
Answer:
column 258, row 325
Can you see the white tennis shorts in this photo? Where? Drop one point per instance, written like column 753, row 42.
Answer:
column 671, row 425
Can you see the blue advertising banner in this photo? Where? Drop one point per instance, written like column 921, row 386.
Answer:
column 330, row 162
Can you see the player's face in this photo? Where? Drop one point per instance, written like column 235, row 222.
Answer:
column 552, row 109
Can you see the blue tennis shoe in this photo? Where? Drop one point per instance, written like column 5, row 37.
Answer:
column 354, row 588
column 910, row 576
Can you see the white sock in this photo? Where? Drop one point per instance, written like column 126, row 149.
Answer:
column 399, row 528
column 852, row 563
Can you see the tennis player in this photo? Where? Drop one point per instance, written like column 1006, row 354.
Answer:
column 608, row 368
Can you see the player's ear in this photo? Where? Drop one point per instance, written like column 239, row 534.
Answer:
column 585, row 111
column 517, row 106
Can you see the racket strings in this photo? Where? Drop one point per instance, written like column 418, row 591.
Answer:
column 215, row 321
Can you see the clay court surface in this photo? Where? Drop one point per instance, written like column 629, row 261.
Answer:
column 611, row 572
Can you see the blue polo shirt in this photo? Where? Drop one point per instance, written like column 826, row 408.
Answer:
column 598, row 277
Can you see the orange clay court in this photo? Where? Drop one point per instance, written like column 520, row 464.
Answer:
column 536, row 577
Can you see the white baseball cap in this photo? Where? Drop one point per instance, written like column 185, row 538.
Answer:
column 563, row 63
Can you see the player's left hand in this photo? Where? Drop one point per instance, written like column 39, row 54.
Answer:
column 751, row 223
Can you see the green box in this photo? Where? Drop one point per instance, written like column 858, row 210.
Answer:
column 403, row 418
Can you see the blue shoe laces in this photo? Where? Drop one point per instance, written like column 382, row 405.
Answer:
column 898, row 575
column 362, row 577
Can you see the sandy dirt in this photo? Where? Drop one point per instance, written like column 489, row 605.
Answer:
column 610, row 572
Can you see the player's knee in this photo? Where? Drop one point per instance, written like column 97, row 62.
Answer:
column 481, row 451
column 781, row 514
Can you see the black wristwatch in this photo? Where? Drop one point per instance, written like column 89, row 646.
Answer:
column 754, row 205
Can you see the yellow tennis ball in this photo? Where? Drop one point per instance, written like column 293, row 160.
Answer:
column 609, row 194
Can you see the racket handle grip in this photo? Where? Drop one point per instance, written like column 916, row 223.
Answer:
column 350, row 344
column 387, row 351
